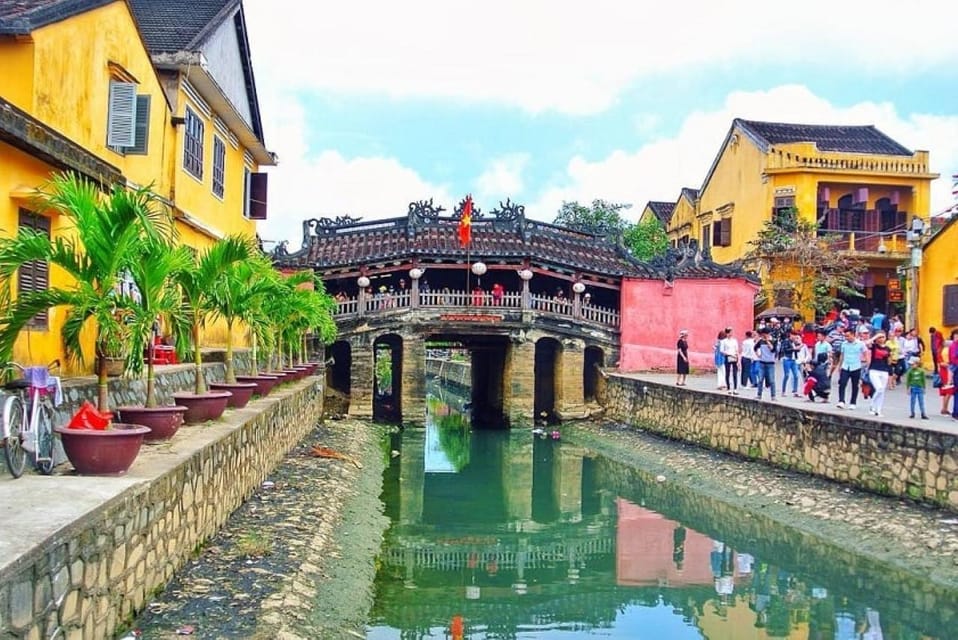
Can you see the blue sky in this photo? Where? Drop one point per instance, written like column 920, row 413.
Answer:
column 372, row 105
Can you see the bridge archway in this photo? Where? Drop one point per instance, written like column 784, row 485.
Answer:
column 546, row 374
column 387, row 378
column 338, row 372
column 594, row 360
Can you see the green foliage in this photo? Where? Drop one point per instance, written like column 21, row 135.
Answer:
column 601, row 218
column 788, row 251
column 106, row 237
column 383, row 369
column 646, row 239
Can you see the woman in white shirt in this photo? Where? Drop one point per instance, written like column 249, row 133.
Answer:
column 728, row 346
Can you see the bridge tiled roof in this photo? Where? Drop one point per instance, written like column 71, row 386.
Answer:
column 330, row 245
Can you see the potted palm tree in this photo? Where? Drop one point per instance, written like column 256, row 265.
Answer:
column 236, row 298
column 158, row 300
column 265, row 283
column 103, row 237
column 197, row 285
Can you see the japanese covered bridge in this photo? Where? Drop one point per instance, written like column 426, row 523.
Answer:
column 538, row 307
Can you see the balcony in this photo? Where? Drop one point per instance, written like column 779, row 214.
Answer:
column 891, row 244
column 463, row 302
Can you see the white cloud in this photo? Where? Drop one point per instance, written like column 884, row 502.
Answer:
column 575, row 57
column 658, row 170
column 502, row 177
column 328, row 185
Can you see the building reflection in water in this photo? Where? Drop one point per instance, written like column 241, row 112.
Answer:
column 499, row 534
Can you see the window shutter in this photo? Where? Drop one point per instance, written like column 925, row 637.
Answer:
column 141, row 126
column 34, row 275
column 950, row 305
column 726, row 235
column 121, row 125
column 257, row 196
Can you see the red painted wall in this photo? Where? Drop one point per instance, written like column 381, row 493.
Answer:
column 653, row 312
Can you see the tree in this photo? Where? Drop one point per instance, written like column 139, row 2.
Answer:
column 106, row 237
column 789, row 255
column 602, row 218
column 646, row 239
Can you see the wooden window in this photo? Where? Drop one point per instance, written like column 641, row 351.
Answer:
column 141, row 127
column 121, row 118
column 949, row 305
column 706, row 236
column 783, row 297
column 219, row 166
column 256, row 195
column 34, row 275
column 722, row 233
column 193, row 144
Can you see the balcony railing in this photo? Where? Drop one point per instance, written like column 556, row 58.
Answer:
column 859, row 241
column 464, row 302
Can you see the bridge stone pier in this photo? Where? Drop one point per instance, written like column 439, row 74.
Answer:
column 518, row 371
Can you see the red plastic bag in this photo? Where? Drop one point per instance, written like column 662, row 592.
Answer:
column 87, row 417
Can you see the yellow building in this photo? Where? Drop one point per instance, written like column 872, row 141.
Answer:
column 681, row 227
column 937, row 293
column 99, row 88
column 854, row 182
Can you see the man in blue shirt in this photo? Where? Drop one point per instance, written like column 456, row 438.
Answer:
column 765, row 354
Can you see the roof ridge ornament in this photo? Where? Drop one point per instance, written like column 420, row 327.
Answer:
column 423, row 211
column 475, row 214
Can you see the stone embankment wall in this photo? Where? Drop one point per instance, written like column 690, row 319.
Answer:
column 85, row 581
column 884, row 458
column 451, row 372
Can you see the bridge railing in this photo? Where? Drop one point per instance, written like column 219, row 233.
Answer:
column 459, row 300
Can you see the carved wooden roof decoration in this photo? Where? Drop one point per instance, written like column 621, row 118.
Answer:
column 504, row 234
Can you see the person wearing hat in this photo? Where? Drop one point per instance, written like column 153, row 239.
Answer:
column 916, row 382
column 682, row 358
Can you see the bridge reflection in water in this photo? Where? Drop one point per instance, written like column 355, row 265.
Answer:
column 499, row 534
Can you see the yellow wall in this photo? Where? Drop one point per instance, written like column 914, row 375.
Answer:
column 195, row 197
column 736, row 180
column 17, row 87
column 939, row 267
column 683, row 221
column 72, row 86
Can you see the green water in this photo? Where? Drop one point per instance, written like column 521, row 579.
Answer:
column 506, row 535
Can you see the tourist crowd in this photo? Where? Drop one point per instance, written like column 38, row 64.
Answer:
column 864, row 357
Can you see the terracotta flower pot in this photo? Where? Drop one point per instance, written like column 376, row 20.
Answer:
column 108, row 452
column 242, row 392
column 203, row 407
column 264, row 384
column 163, row 422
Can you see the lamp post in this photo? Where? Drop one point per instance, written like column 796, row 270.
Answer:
column 525, row 275
column 362, row 282
column 914, row 237
column 415, row 274
column 577, row 288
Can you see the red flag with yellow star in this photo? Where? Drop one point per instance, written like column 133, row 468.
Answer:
column 465, row 223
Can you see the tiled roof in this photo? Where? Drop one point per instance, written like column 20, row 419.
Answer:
column 385, row 240
column 20, row 17
column 849, row 139
column 662, row 210
column 169, row 26
column 329, row 245
column 690, row 193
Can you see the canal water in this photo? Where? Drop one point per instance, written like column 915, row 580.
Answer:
column 504, row 534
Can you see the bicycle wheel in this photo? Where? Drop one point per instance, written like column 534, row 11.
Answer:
column 13, row 451
column 44, row 438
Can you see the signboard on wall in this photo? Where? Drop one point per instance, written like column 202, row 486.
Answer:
column 895, row 295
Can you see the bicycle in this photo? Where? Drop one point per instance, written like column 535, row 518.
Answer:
column 32, row 397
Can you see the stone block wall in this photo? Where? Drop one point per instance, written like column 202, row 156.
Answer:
column 85, row 581
column 879, row 457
